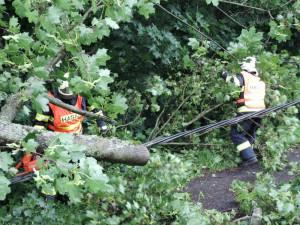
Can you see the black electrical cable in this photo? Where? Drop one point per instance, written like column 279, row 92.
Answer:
column 223, row 123
column 220, row 124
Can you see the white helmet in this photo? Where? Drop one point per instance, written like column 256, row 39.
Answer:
column 64, row 90
column 249, row 65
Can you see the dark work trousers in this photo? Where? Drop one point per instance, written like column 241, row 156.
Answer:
column 244, row 137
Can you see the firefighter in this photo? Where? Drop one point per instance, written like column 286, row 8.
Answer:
column 251, row 99
column 62, row 120
column 58, row 119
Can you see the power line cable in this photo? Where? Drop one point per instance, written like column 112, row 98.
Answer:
column 223, row 123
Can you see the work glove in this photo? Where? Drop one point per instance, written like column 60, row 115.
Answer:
column 103, row 127
column 103, row 130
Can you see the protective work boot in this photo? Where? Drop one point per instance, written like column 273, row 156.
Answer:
column 248, row 162
column 48, row 197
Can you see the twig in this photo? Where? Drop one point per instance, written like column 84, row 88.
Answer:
column 252, row 7
column 239, row 4
column 231, row 17
column 280, row 86
column 202, row 114
column 156, row 124
column 173, row 114
column 138, row 116
column 240, row 219
column 187, row 143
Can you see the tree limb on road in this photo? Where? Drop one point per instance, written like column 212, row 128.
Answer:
column 112, row 150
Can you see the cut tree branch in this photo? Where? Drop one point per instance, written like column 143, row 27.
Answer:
column 71, row 108
column 112, row 150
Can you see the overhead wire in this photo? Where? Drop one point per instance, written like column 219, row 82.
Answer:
column 220, row 124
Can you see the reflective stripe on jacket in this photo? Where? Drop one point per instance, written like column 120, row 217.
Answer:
column 64, row 120
column 254, row 93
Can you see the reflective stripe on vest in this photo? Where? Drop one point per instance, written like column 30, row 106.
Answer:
column 64, row 120
column 254, row 93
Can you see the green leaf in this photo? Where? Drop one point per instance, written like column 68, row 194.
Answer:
column 187, row 62
column 53, row 15
column 38, row 86
column 13, row 22
column 215, row 2
column 40, row 72
column 250, row 36
column 193, row 43
column 40, row 104
column 65, row 186
column 97, row 180
column 32, row 16
column 62, row 4
column 82, row 88
column 4, row 188
column 118, row 105
column 101, row 57
column 111, row 23
column 21, row 40
column 21, row 7
column 78, row 153
column 146, row 9
column 65, row 138
column 86, row 35
column 130, row 3
column 102, row 28
column 5, row 161
column 30, row 145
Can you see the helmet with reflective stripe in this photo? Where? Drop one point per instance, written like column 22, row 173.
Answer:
column 64, row 90
column 249, row 65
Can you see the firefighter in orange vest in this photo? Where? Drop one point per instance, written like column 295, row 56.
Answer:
column 58, row 119
column 251, row 99
column 62, row 120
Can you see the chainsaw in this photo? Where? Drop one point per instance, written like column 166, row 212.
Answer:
column 29, row 164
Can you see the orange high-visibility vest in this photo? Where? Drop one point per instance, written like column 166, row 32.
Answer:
column 64, row 120
column 254, row 92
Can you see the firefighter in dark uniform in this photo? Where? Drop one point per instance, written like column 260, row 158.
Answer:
column 251, row 99
column 58, row 119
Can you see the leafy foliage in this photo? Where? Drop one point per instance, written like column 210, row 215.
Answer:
column 278, row 203
column 157, row 77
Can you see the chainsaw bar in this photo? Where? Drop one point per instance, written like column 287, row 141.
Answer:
column 22, row 178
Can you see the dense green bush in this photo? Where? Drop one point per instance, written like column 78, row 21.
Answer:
column 157, row 77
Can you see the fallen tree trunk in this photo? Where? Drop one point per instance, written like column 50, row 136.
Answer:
column 112, row 150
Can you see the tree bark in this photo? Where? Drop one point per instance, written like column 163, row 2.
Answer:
column 112, row 150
